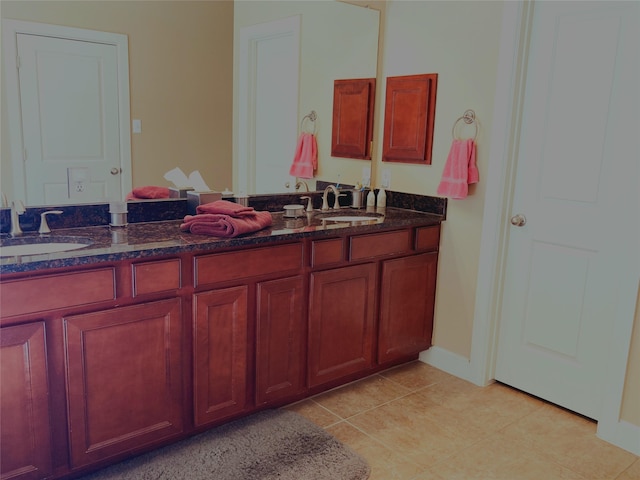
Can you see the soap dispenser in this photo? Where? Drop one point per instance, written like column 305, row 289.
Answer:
column 382, row 198
column 371, row 199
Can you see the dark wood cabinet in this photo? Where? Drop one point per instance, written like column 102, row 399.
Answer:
column 25, row 448
column 280, row 339
column 352, row 126
column 220, row 347
column 124, row 379
column 341, row 322
column 409, row 117
column 407, row 299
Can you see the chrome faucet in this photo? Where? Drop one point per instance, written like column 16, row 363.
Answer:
column 336, row 193
column 17, row 209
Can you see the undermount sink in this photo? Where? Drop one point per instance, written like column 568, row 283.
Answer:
column 40, row 245
column 353, row 218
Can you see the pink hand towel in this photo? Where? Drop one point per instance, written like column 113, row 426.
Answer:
column 224, row 207
column 148, row 192
column 305, row 160
column 460, row 170
column 224, row 225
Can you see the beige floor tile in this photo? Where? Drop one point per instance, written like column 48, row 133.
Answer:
column 360, row 396
column 385, row 463
column 416, row 375
column 314, row 412
column 631, row 473
column 407, row 427
column 488, row 408
column 570, row 440
column 498, row 458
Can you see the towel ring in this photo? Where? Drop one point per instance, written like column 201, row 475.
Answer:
column 469, row 117
column 312, row 118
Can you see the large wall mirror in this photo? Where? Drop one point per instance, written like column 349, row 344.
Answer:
column 184, row 76
column 287, row 56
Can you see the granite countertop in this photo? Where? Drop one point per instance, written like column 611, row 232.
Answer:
column 165, row 238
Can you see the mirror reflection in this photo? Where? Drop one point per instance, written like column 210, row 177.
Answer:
column 184, row 95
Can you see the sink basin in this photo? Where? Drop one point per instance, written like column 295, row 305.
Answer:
column 37, row 246
column 353, row 218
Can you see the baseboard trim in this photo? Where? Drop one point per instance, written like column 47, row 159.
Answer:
column 621, row 434
column 448, row 362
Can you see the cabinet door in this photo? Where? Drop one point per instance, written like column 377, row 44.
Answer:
column 280, row 334
column 25, row 435
column 406, row 306
column 220, row 353
column 124, row 378
column 341, row 322
column 410, row 110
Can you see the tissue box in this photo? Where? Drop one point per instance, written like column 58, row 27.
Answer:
column 175, row 192
column 199, row 198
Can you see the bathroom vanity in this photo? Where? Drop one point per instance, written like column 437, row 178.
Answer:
column 149, row 335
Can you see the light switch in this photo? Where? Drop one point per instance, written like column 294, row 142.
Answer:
column 137, row 126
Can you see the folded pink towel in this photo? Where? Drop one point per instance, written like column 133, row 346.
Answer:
column 220, row 225
column 148, row 192
column 305, row 160
column 225, row 207
column 460, row 170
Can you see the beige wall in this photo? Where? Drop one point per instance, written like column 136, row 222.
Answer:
column 181, row 79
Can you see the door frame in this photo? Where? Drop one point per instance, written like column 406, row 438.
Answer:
column 516, row 31
column 10, row 30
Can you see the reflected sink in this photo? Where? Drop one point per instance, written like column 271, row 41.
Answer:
column 40, row 245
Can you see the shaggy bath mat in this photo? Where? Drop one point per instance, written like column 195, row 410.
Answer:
column 274, row 444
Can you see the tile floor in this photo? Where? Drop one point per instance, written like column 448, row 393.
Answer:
column 415, row 422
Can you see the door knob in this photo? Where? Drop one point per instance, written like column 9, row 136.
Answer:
column 518, row 220
column 115, row 171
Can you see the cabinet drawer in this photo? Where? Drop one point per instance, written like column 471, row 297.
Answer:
column 327, row 252
column 428, row 238
column 378, row 244
column 57, row 291
column 154, row 277
column 222, row 267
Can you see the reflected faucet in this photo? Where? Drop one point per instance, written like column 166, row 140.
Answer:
column 300, row 183
column 336, row 193
column 17, row 209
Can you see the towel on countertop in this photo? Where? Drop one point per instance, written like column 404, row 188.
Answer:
column 305, row 160
column 460, row 170
column 147, row 193
column 225, row 207
column 220, row 225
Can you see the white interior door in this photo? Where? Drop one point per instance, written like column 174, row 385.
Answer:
column 577, row 187
column 70, row 120
column 268, row 114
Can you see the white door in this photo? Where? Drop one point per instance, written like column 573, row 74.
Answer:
column 577, row 188
column 268, row 114
column 70, row 125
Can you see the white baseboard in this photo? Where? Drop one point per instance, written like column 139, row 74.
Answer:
column 448, row 362
column 621, row 434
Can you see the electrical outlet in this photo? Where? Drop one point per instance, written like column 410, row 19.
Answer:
column 386, row 178
column 366, row 176
column 77, row 181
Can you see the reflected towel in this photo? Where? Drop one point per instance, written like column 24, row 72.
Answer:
column 219, row 225
column 225, row 207
column 460, row 170
column 147, row 193
column 305, row 160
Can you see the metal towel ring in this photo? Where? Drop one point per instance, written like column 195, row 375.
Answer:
column 312, row 118
column 469, row 117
